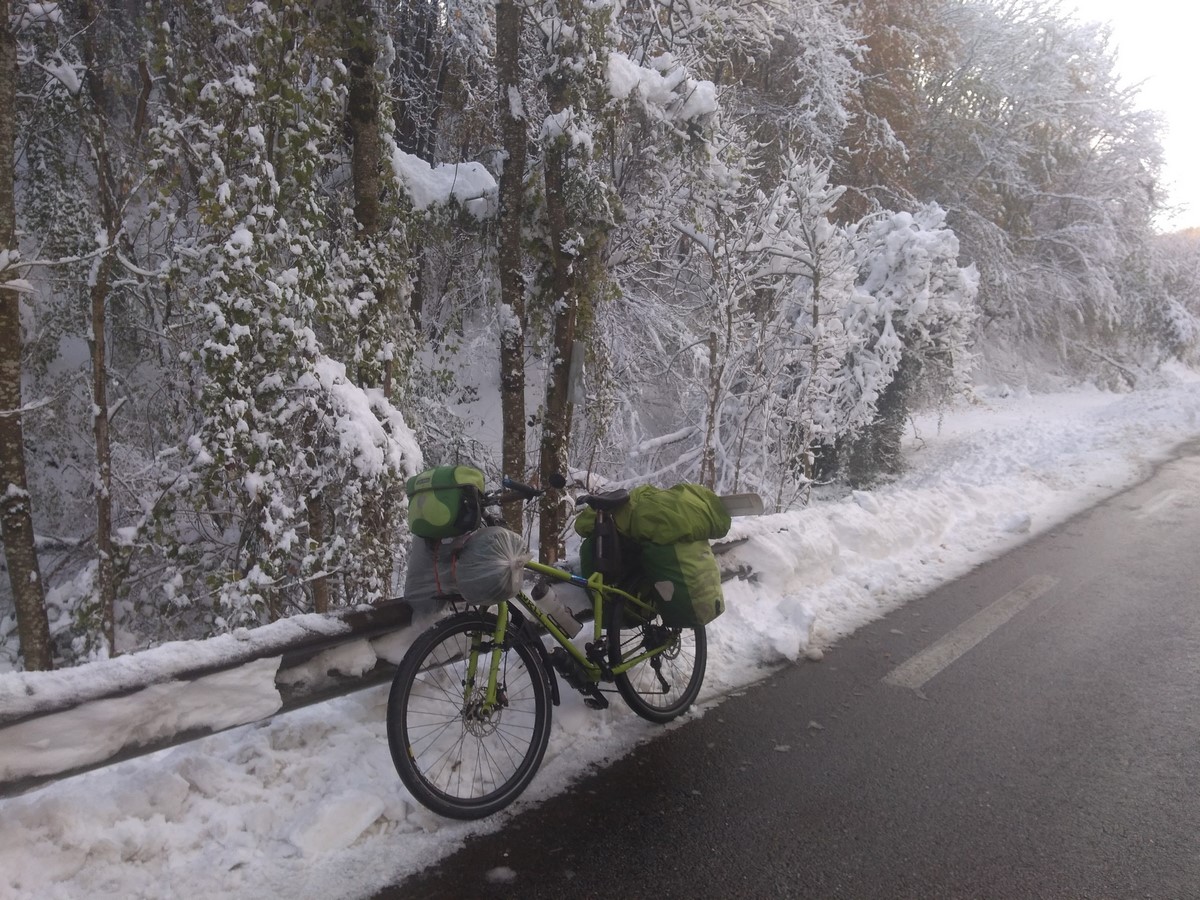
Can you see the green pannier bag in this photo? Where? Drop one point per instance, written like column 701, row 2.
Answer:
column 444, row 502
column 685, row 580
column 629, row 578
column 684, row 513
column 667, row 557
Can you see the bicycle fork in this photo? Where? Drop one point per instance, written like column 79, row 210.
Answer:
column 493, row 692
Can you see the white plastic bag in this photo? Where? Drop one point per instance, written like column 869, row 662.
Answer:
column 483, row 567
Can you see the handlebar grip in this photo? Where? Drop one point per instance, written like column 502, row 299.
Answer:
column 523, row 489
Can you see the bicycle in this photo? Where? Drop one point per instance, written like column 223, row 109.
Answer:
column 469, row 712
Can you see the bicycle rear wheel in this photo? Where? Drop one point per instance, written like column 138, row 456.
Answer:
column 663, row 686
column 455, row 756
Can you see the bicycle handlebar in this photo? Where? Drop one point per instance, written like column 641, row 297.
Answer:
column 528, row 492
column 512, row 491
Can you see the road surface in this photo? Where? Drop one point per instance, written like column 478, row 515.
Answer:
column 1031, row 730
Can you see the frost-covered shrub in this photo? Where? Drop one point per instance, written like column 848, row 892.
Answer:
column 1171, row 292
column 921, row 318
column 792, row 331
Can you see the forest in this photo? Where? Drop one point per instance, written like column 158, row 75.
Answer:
column 260, row 262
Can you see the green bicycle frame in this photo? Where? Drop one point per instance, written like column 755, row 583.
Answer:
column 598, row 591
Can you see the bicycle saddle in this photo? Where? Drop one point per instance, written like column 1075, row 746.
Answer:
column 607, row 501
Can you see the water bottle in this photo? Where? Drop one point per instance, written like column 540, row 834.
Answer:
column 549, row 600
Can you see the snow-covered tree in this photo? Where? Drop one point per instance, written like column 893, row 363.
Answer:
column 296, row 448
column 1168, row 293
column 96, row 345
column 16, row 514
column 1045, row 167
column 261, row 230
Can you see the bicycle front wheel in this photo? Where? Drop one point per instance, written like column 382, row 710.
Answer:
column 454, row 753
column 665, row 685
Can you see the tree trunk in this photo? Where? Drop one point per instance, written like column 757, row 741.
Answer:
column 365, row 161
column 110, row 216
column 417, row 109
column 716, row 374
column 105, row 563
column 510, row 254
column 417, row 57
column 316, row 536
column 16, row 514
column 362, row 116
column 564, row 300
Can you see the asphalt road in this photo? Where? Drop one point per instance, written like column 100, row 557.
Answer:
column 1031, row 730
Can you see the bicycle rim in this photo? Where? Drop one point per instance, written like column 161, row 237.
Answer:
column 664, row 686
column 456, row 757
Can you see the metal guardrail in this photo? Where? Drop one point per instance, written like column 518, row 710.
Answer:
column 37, row 730
column 39, row 766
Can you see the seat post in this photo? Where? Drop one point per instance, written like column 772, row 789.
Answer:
column 608, row 549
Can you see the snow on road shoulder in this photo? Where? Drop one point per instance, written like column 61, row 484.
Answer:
column 979, row 482
column 308, row 804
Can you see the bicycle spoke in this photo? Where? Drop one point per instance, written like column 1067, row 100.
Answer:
column 664, row 685
column 458, row 754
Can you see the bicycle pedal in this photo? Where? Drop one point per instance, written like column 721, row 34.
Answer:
column 595, row 702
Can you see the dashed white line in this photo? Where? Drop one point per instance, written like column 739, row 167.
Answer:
column 918, row 669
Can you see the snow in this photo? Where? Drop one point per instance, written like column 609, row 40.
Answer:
column 239, row 242
column 37, row 14
column 19, row 285
column 25, row 693
column 372, row 444
column 51, row 743
column 516, row 108
column 308, row 803
column 664, row 89
column 468, row 183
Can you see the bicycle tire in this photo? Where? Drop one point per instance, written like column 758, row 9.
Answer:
column 663, row 687
column 453, row 758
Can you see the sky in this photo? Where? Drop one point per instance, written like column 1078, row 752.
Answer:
column 307, row 804
column 1156, row 47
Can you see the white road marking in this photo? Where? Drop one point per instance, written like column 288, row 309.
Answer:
column 918, row 669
